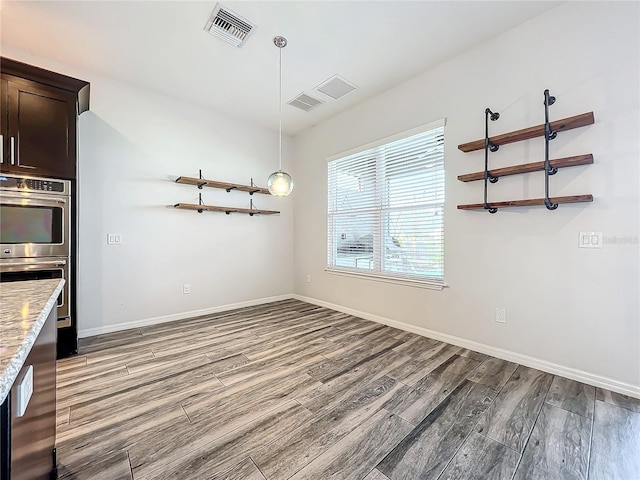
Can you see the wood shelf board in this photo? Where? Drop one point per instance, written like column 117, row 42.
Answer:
column 222, row 185
column 532, row 202
column 216, row 208
column 569, row 123
column 529, row 167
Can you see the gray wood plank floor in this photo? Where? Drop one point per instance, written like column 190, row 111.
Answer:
column 289, row 390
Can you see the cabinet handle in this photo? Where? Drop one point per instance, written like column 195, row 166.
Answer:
column 13, row 150
column 1, row 149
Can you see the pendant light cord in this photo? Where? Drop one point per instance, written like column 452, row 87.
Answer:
column 280, row 110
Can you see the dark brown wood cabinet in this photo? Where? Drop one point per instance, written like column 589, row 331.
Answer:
column 39, row 111
column 41, row 129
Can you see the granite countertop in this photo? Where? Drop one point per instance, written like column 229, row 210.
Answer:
column 24, row 307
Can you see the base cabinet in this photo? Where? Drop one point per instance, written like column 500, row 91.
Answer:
column 27, row 442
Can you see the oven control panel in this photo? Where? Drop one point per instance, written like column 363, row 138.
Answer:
column 33, row 184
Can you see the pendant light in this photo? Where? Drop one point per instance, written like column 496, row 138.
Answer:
column 280, row 183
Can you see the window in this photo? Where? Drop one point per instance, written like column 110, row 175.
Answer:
column 386, row 208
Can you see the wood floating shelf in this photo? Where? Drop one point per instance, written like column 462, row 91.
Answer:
column 531, row 132
column 529, row 167
column 203, row 182
column 227, row 210
column 532, row 202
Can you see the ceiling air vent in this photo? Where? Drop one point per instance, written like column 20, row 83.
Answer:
column 305, row 102
column 336, row 87
column 229, row 26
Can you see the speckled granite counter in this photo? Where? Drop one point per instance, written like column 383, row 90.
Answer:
column 24, row 307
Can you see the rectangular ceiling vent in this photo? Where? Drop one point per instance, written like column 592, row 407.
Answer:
column 336, row 87
column 304, row 102
column 229, row 26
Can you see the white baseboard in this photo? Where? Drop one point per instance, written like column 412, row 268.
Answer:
column 90, row 332
column 545, row 366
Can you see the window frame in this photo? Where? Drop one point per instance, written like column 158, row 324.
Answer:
column 436, row 283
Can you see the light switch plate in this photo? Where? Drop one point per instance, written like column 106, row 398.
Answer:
column 590, row 240
column 25, row 390
column 114, row 239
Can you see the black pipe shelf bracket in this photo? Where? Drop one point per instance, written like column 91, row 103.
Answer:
column 549, row 135
column 201, row 184
column 489, row 146
column 200, row 210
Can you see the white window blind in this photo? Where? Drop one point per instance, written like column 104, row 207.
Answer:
column 386, row 208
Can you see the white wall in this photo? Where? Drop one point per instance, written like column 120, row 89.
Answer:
column 572, row 308
column 130, row 143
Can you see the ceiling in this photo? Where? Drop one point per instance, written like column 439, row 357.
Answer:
column 162, row 46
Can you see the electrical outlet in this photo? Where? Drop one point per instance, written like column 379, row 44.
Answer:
column 590, row 240
column 308, row 278
column 186, row 289
column 25, row 390
column 501, row 315
column 114, row 239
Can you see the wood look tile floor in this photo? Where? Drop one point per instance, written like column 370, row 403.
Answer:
column 292, row 390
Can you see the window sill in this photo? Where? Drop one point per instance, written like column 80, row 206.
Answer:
column 388, row 279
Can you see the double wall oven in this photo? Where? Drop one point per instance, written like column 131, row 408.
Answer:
column 35, row 233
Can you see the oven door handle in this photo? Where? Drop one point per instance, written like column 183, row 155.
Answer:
column 35, row 264
column 31, row 197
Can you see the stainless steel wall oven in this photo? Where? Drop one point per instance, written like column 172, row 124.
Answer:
column 35, row 233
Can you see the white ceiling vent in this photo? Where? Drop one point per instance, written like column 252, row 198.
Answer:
column 229, row 26
column 305, row 102
column 336, row 87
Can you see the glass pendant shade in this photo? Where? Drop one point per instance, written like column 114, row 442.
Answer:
column 280, row 184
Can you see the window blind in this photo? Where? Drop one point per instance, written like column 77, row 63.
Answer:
column 386, row 208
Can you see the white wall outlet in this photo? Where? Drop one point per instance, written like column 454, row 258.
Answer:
column 186, row 289
column 590, row 240
column 308, row 278
column 501, row 315
column 25, row 390
column 114, row 239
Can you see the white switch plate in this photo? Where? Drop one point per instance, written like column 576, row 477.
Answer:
column 114, row 239
column 590, row 240
column 25, row 390
column 186, row 289
column 501, row 315
column 308, row 278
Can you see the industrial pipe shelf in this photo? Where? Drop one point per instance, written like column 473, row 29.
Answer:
column 532, row 202
column 549, row 130
column 569, row 123
column 228, row 210
column 203, row 182
column 529, row 167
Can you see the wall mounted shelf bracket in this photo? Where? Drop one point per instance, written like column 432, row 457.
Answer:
column 549, row 135
column 489, row 146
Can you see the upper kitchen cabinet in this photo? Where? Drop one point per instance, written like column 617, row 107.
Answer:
column 39, row 112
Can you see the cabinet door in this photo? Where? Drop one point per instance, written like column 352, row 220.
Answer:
column 42, row 130
column 3, row 125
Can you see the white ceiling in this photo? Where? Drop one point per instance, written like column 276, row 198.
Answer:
column 162, row 46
